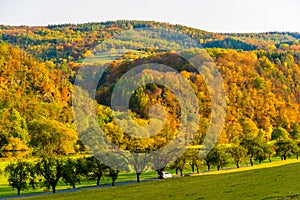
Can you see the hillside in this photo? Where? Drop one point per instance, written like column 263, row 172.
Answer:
column 71, row 41
column 33, row 94
column 38, row 67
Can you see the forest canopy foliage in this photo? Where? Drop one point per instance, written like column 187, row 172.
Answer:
column 38, row 66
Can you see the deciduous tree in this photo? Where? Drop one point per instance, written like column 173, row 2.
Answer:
column 20, row 175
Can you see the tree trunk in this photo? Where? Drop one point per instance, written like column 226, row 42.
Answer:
column 284, row 155
column 159, row 173
column 138, row 177
column 251, row 161
column 73, row 186
column 176, row 170
column 98, row 180
column 297, row 156
column 237, row 164
column 19, row 191
column 219, row 166
column 193, row 168
column 113, row 182
column 53, row 188
column 181, row 172
column 208, row 166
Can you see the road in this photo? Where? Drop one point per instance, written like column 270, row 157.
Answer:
column 78, row 189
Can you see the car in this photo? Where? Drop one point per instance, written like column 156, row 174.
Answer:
column 165, row 175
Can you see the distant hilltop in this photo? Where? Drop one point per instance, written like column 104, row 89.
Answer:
column 76, row 39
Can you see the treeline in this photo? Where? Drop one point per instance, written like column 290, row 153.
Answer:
column 230, row 43
column 48, row 171
column 70, row 42
column 246, row 151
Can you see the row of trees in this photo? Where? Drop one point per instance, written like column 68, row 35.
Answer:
column 248, row 150
column 48, row 171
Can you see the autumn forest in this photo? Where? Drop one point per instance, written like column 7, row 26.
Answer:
column 39, row 64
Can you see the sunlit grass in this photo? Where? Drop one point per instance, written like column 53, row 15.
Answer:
column 247, row 168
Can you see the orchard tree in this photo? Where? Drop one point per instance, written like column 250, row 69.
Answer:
column 20, row 175
column 261, row 153
column 194, row 159
column 51, row 169
column 113, row 174
column 296, row 149
column 139, row 163
column 209, row 160
column 270, row 150
column 254, row 146
column 221, row 157
column 74, row 170
column 96, row 168
column 283, row 147
column 239, row 154
column 217, row 157
column 180, row 164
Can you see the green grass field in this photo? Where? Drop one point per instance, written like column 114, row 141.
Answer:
column 277, row 180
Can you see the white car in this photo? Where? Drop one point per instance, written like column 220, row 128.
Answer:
column 165, row 175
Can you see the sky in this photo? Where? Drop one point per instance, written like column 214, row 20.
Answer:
column 209, row 15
